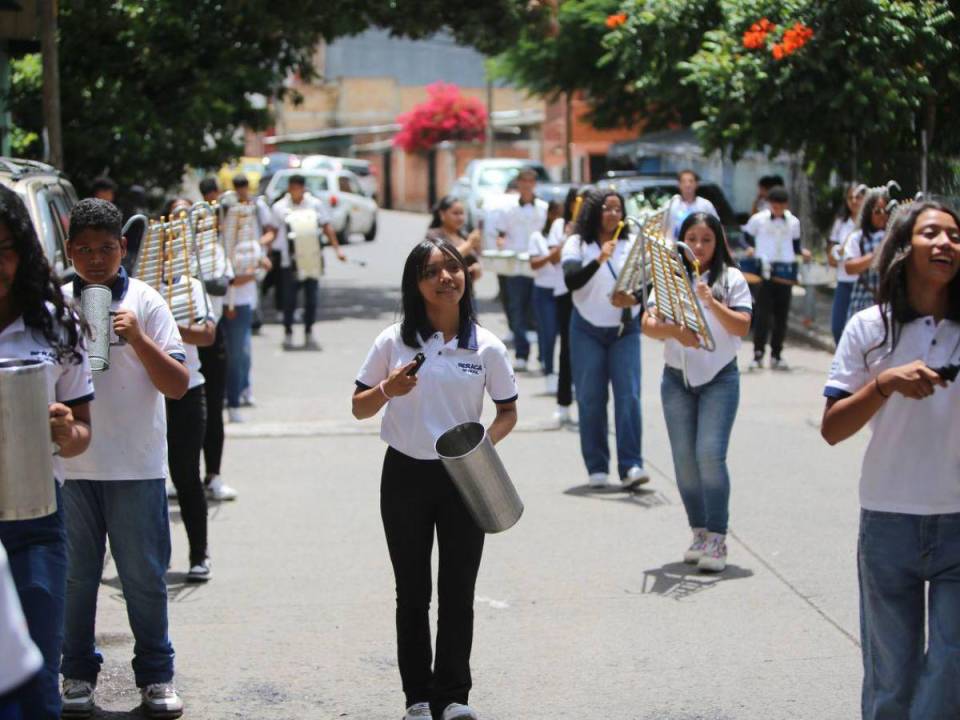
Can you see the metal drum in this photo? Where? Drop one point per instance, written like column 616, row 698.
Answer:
column 478, row 473
column 26, row 452
column 784, row 273
column 752, row 269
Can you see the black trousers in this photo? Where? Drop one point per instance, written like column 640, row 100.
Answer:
column 186, row 422
column 416, row 498
column 770, row 317
column 564, row 378
column 213, row 366
column 291, row 289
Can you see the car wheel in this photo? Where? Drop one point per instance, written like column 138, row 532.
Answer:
column 371, row 234
column 344, row 235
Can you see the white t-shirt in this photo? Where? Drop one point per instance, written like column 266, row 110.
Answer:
column 852, row 250
column 129, row 416
column 278, row 219
column 592, row 301
column 678, row 210
column 557, row 236
column 838, row 236
column 518, row 222
column 774, row 237
column 246, row 294
column 191, row 351
column 450, row 387
column 912, row 463
column 68, row 382
column 20, row 658
column 703, row 365
column 549, row 276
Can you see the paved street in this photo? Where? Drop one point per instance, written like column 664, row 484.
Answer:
column 583, row 609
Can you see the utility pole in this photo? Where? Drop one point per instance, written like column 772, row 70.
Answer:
column 568, row 135
column 488, row 136
column 51, row 82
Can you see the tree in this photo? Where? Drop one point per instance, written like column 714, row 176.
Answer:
column 151, row 86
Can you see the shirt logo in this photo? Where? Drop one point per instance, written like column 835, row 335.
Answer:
column 45, row 355
column 470, row 368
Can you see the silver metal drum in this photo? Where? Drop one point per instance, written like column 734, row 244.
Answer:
column 478, row 473
column 26, row 451
column 95, row 303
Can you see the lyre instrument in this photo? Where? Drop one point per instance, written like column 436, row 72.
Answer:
column 240, row 233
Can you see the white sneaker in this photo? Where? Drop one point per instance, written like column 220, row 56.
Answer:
column 160, row 700
column 599, row 480
column 756, row 364
column 200, row 573
column 779, row 364
column 234, row 416
column 561, row 416
column 456, row 711
column 171, row 492
column 217, row 489
column 520, row 365
column 77, row 698
column 552, row 381
column 636, row 476
column 714, row 558
column 310, row 344
column 418, row 711
column 246, row 399
column 695, row 551
column 287, row 341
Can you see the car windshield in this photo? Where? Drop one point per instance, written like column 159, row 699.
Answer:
column 499, row 177
column 316, row 184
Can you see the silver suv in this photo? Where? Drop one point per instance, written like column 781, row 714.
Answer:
column 49, row 197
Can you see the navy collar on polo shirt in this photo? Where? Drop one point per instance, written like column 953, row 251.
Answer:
column 532, row 201
column 469, row 340
column 118, row 289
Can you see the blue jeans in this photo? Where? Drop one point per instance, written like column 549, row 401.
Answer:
column 699, row 421
column 599, row 357
column 841, row 304
column 904, row 560
column 38, row 562
column 133, row 514
column 545, row 307
column 519, row 292
column 236, row 332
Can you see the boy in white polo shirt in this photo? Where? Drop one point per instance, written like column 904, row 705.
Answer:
column 686, row 203
column 116, row 488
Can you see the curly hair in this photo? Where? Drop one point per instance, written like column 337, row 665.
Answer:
column 590, row 220
column 36, row 290
column 95, row 214
column 891, row 263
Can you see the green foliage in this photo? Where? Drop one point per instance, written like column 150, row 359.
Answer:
column 26, row 88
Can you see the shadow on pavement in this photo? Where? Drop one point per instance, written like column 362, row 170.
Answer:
column 679, row 580
column 644, row 498
column 101, row 714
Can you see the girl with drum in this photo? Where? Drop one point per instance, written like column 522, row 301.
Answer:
column 700, row 390
column 862, row 244
column 37, row 324
column 604, row 339
column 894, row 369
column 430, row 371
column 449, row 221
column 844, row 224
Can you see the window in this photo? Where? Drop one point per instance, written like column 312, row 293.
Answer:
column 344, row 183
column 60, row 215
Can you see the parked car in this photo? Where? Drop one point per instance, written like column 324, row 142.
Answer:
column 49, row 197
column 361, row 168
column 252, row 167
column 488, row 177
column 351, row 210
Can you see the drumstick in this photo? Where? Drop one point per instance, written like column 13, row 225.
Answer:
column 576, row 208
column 616, row 233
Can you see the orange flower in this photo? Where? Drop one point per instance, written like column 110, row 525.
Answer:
column 615, row 21
column 779, row 52
column 756, row 37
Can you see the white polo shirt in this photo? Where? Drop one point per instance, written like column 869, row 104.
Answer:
column 558, row 236
column 129, row 417
column 774, row 237
column 191, row 352
column 912, row 463
column 20, row 658
column 550, row 275
column 852, row 249
column 838, row 236
column 450, row 387
column 592, row 301
column 68, row 382
column 518, row 222
column 678, row 209
column 703, row 365
column 278, row 219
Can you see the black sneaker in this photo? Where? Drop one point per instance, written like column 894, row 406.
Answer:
column 199, row 573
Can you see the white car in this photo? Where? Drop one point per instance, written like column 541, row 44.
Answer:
column 351, row 210
column 361, row 168
column 486, row 179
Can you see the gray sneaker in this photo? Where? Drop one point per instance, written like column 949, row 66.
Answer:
column 288, row 341
column 77, row 698
column 456, row 711
column 160, row 701
column 418, row 711
column 310, row 344
column 779, row 364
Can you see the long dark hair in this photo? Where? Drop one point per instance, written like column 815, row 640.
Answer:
column 722, row 259
column 36, row 290
column 555, row 208
column 843, row 212
column 891, row 264
column 569, row 202
column 443, row 204
column 590, row 220
column 864, row 220
column 415, row 320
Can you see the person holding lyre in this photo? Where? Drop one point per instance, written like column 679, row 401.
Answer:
column 431, row 372
column 700, row 389
column 895, row 370
column 604, row 339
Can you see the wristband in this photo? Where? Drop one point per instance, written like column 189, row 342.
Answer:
column 876, row 382
column 384, row 391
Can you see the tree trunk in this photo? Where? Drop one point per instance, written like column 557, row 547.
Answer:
column 431, row 178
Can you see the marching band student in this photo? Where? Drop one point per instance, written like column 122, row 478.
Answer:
column 684, row 204
column 773, row 235
column 450, row 219
column 514, row 225
column 700, row 390
column 463, row 360
column 297, row 198
column 861, row 245
column 36, row 324
column 564, row 300
column 545, row 261
column 21, row 659
column 604, row 340
column 844, row 224
column 116, row 488
column 885, row 373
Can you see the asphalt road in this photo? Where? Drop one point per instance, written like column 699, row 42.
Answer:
column 583, row 609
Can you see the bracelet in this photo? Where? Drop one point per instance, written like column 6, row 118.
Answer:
column 876, row 382
column 384, row 391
